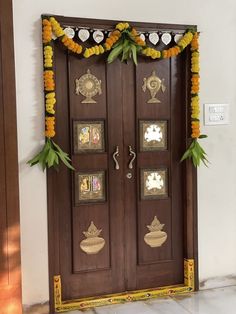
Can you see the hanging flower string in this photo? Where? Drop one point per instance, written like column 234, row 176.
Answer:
column 195, row 151
column 51, row 154
column 123, row 42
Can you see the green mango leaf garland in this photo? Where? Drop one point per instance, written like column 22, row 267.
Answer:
column 126, row 48
column 195, row 152
column 50, row 156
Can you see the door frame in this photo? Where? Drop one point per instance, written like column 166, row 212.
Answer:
column 190, row 263
column 10, row 272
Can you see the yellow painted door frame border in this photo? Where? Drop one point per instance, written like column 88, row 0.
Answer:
column 85, row 303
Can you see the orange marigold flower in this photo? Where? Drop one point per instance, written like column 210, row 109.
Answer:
column 107, row 46
column 49, row 133
column 47, row 31
column 116, row 33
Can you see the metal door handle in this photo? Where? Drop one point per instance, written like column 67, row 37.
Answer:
column 131, row 153
column 116, row 154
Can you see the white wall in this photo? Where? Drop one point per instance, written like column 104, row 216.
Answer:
column 217, row 185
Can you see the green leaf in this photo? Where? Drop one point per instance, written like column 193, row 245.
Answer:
column 56, row 160
column 115, row 53
column 120, row 41
column 134, row 54
column 203, row 136
column 65, row 161
column 186, row 155
column 34, row 160
column 126, row 48
column 196, row 153
column 50, row 156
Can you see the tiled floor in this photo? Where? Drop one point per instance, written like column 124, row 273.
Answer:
column 215, row 301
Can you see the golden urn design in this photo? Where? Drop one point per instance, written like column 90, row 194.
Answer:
column 153, row 83
column 156, row 237
column 93, row 243
column 89, row 86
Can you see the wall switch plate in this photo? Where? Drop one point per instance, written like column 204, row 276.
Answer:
column 216, row 114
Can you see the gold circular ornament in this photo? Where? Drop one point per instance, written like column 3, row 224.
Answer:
column 89, row 86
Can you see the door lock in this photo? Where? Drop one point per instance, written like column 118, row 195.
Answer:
column 129, row 175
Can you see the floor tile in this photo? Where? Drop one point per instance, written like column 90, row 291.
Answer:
column 83, row 312
column 166, row 306
column 127, row 308
column 215, row 301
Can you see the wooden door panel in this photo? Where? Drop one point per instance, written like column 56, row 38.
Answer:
column 77, row 68
column 93, row 274
column 148, row 255
column 130, row 185
column 81, row 220
column 150, row 110
column 126, row 261
column 157, row 275
column 88, row 211
column 157, row 266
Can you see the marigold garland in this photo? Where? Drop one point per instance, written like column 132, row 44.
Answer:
column 48, row 55
column 171, row 52
column 51, row 153
column 195, row 123
column 47, row 31
column 195, row 152
column 123, row 41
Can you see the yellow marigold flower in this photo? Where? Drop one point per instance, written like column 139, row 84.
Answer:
column 86, row 53
column 56, row 27
column 50, row 95
column 48, row 64
column 50, row 109
column 101, row 49
column 97, row 51
column 149, row 51
column 51, row 101
column 122, row 26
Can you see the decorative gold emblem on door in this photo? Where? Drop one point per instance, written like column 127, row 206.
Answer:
column 93, row 243
column 88, row 136
column 156, row 237
column 153, row 83
column 153, row 135
column 89, row 187
column 89, row 86
column 154, row 183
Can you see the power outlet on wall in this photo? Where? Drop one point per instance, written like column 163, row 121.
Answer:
column 216, row 114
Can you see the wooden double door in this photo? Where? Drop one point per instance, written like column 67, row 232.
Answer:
column 119, row 217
